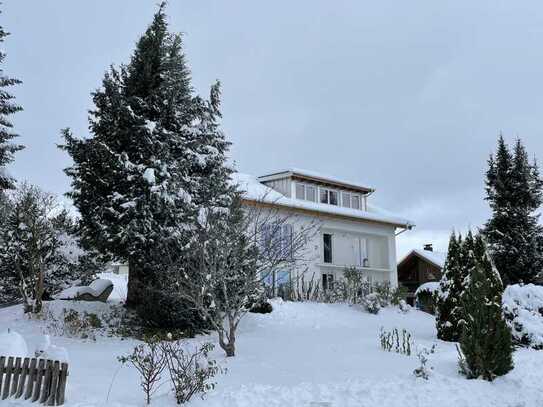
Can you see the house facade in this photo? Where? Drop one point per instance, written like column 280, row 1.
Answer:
column 351, row 231
column 418, row 267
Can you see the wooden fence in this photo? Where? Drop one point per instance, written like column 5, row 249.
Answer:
column 38, row 380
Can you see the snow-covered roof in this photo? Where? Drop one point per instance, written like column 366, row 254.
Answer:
column 430, row 287
column 315, row 176
column 254, row 190
column 436, row 258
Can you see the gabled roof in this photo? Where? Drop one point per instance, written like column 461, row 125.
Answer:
column 256, row 191
column 436, row 258
column 316, row 177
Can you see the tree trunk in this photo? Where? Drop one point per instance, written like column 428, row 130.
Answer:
column 230, row 346
column 136, row 276
column 38, row 294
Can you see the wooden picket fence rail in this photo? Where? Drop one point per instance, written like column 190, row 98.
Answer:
column 39, row 380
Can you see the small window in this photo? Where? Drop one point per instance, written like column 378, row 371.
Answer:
column 346, row 199
column 327, row 244
column 355, row 199
column 310, row 193
column 324, row 196
column 300, row 189
column 328, row 281
column 333, row 197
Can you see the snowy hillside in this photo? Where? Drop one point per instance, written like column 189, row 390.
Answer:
column 299, row 354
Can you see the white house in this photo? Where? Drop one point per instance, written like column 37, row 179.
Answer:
column 352, row 231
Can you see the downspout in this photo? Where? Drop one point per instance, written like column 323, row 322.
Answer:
column 408, row 227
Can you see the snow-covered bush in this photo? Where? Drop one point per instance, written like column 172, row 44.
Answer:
column 161, row 310
column 371, row 303
column 424, row 370
column 426, row 296
column 523, row 309
column 72, row 323
column 261, row 307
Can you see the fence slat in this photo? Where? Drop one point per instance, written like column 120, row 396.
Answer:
column 16, row 375
column 31, row 378
column 2, row 362
column 46, row 381
column 22, row 379
column 54, row 384
column 39, row 380
column 7, row 378
column 62, row 383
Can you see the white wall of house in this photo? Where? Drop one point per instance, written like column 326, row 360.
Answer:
column 352, row 241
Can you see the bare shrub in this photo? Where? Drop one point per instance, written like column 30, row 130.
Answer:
column 150, row 361
column 190, row 372
column 392, row 341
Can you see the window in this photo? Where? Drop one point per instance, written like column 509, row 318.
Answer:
column 324, row 196
column 355, row 200
column 327, row 281
column 346, row 199
column 300, row 191
column 277, row 240
column 333, row 197
column 328, row 196
column 310, row 193
column 306, row 192
column 327, row 245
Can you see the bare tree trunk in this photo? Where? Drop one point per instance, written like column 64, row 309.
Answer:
column 228, row 346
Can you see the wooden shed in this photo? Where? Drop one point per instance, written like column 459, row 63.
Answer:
column 418, row 267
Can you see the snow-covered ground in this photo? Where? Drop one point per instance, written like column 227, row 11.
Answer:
column 302, row 354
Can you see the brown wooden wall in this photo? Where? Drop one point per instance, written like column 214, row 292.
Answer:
column 415, row 271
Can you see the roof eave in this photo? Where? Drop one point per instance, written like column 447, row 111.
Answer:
column 332, row 215
column 290, row 174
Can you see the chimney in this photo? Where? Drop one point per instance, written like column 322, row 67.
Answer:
column 428, row 247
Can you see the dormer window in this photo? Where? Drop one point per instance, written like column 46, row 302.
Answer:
column 350, row 200
column 306, row 192
column 328, row 196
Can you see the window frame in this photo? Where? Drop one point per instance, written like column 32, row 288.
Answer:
column 357, row 196
column 348, row 195
column 305, row 187
column 328, row 192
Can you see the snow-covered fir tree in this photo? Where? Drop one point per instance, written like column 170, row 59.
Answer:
column 29, row 245
column 40, row 253
column 450, row 289
column 485, row 342
column 7, row 107
column 513, row 234
column 155, row 155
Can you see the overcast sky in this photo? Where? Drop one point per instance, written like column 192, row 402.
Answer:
column 407, row 97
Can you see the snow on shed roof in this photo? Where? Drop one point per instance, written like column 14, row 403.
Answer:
column 257, row 191
column 316, row 176
column 437, row 258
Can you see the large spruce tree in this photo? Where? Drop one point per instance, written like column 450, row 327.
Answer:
column 513, row 234
column 154, row 157
column 7, row 108
column 485, row 342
